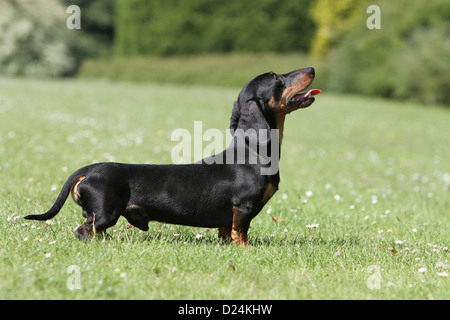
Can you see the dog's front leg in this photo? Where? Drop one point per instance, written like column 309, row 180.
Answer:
column 225, row 233
column 241, row 223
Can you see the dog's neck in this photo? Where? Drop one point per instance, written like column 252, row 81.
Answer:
column 276, row 121
column 280, row 126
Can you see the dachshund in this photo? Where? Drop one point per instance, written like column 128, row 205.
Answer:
column 224, row 191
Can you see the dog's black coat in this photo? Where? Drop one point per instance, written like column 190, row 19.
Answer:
column 226, row 196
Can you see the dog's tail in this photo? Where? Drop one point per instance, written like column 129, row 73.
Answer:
column 68, row 187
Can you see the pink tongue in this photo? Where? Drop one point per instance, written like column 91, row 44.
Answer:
column 312, row 92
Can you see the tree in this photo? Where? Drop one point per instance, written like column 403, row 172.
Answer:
column 334, row 19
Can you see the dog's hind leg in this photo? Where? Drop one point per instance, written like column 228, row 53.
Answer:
column 99, row 216
column 97, row 222
column 102, row 206
column 84, row 232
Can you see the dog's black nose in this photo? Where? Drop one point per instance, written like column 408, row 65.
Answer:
column 310, row 70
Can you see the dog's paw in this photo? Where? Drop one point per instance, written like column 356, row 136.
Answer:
column 84, row 232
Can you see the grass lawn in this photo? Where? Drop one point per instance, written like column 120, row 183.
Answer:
column 362, row 210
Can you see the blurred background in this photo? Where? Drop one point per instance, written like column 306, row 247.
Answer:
column 226, row 42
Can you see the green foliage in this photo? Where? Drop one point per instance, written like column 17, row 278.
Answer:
column 426, row 71
column 334, row 19
column 407, row 58
column 165, row 27
column 34, row 38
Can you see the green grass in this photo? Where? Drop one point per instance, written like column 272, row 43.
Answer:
column 379, row 173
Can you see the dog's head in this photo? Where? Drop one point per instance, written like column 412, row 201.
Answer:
column 269, row 97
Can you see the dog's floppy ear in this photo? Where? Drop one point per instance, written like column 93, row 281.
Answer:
column 251, row 117
column 250, row 120
column 235, row 114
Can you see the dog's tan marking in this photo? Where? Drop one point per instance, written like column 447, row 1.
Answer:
column 280, row 125
column 272, row 102
column 268, row 193
column 74, row 190
column 280, row 114
column 131, row 207
column 281, row 110
column 289, row 92
column 238, row 235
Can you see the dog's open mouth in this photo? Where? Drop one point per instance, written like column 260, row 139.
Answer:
column 303, row 99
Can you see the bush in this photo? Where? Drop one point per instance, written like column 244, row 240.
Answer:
column 407, row 58
column 33, row 38
column 426, row 71
column 165, row 27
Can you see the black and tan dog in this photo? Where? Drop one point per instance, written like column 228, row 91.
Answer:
column 214, row 194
